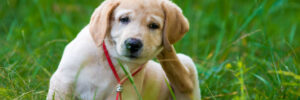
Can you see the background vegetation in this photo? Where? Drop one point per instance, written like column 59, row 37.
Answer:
column 244, row 49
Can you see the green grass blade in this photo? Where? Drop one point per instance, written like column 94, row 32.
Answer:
column 170, row 89
column 220, row 39
column 250, row 18
column 292, row 34
column 130, row 78
column 263, row 80
column 241, row 80
column 274, row 65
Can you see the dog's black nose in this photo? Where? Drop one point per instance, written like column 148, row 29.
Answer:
column 133, row 45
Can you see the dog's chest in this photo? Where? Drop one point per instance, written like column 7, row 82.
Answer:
column 94, row 82
column 100, row 84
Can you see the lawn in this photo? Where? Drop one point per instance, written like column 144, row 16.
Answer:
column 244, row 49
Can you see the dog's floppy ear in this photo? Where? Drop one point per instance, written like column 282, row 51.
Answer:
column 99, row 24
column 175, row 24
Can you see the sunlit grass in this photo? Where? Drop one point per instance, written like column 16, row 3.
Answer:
column 243, row 49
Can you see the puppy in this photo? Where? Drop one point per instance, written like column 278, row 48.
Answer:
column 134, row 32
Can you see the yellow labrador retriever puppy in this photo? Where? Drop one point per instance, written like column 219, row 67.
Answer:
column 134, row 32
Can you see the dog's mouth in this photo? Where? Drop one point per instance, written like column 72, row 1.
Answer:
column 132, row 55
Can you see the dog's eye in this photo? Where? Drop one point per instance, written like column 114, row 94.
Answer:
column 124, row 20
column 153, row 26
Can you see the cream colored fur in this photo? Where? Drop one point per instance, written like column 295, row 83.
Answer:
column 84, row 73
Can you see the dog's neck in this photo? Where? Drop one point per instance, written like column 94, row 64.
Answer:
column 127, row 65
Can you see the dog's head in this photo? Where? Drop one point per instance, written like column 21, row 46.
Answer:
column 137, row 30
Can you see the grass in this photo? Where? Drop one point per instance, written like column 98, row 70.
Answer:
column 243, row 49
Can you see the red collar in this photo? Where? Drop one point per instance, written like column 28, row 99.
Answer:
column 113, row 69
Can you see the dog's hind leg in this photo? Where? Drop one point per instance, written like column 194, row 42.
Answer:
column 190, row 65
